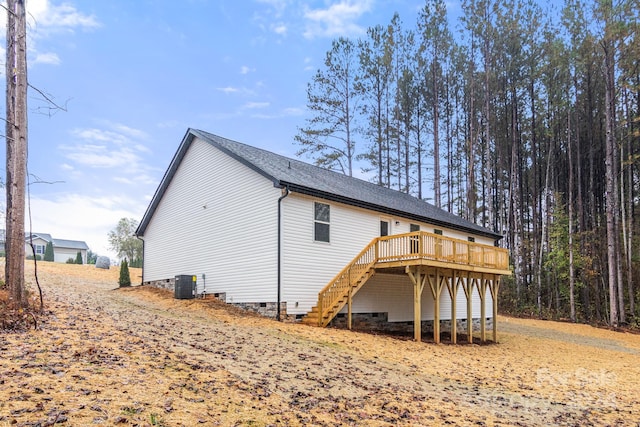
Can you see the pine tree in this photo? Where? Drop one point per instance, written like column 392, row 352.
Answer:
column 333, row 97
column 79, row 258
column 125, row 279
column 48, row 252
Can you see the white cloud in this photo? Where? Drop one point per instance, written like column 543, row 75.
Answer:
column 46, row 18
column 97, row 156
column 228, row 89
column 79, row 217
column 255, row 105
column 338, row 19
column 280, row 29
column 240, row 90
column 245, row 70
column 286, row 112
column 118, row 146
column 277, row 6
column 46, row 58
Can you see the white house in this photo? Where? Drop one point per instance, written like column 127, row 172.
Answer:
column 63, row 249
column 285, row 237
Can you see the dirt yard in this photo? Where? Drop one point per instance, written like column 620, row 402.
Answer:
column 137, row 356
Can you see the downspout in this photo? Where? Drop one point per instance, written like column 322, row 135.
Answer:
column 285, row 194
column 142, row 268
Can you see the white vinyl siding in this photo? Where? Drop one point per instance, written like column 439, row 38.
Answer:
column 217, row 217
column 393, row 294
column 308, row 265
column 63, row 254
column 37, row 242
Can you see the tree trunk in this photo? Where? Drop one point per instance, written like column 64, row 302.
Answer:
column 611, row 199
column 572, row 278
column 16, row 142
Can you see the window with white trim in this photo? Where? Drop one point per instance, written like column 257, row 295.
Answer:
column 384, row 228
column 321, row 223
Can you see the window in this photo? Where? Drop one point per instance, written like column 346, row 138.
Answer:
column 384, row 228
column 438, row 232
column 40, row 249
column 321, row 222
column 415, row 240
column 471, row 239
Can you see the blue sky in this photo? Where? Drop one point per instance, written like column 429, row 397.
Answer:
column 134, row 75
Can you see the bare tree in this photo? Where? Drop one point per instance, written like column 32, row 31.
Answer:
column 16, row 143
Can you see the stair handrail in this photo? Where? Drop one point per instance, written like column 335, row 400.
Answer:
column 355, row 271
column 345, row 278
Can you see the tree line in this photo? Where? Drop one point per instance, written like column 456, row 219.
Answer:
column 520, row 118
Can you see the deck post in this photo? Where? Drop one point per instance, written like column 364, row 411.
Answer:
column 452, row 286
column 483, row 309
column 494, row 295
column 436, row 290
column 349, row 310
column 418, row 278
column 349, row 299
column 468, row 293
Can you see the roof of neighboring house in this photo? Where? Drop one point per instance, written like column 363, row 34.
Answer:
column 59, row 243
column 44, row 236
column 304, row 178
column 70, row 244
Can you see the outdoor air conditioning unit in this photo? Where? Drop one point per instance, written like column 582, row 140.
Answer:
column 185, row 286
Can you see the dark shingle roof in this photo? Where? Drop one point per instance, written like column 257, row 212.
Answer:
column 308, row 179
column 70, row 244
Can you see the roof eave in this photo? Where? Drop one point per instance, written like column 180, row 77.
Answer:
column 296, row 188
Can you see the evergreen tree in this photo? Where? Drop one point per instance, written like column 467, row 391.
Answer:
column 91, row 257
column 125, row 279
column 48, row 252
column 333, row 96
column 79, row 258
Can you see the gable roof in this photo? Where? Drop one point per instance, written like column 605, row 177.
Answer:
column 44, row 236
column 304, row 178
column 58, row 243
column 70, row 244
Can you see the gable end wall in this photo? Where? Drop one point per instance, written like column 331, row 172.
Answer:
column 217, row 218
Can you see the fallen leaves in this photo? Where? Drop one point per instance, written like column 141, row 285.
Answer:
column 139, row 357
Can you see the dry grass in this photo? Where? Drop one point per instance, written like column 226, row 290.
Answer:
column 136, row 356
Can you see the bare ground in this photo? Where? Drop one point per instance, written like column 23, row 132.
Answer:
column 136, row 356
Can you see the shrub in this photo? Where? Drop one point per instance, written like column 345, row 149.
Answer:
column 125, row 279
column 48, row 252
column 71, row 261
column 37, row 257
column 79, row 258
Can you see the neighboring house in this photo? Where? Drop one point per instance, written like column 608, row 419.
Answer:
column 285, row 237
column 62, row 249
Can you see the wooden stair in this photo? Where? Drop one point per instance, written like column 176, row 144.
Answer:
column 333, row 297
column 400, row 251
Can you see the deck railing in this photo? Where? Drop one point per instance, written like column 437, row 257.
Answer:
column 435, row 247
column 408, row 247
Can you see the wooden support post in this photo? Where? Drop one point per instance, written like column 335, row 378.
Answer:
column 495, row 286
column 468, row 293
column 436, row 290
column 349, row 310
column 452, row 286
column 418, row 278
column 482, row 290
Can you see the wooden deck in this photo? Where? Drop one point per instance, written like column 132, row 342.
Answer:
column 428, row 259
